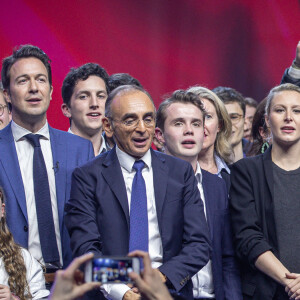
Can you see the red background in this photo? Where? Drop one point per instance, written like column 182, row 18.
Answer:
column 166, row 44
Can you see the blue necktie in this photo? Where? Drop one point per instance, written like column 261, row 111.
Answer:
column 138, row 239
column 43, row 202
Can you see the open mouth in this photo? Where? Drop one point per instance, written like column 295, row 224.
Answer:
column 288, row 129
column 140, row 142
column 94, row 115
column 188, row 144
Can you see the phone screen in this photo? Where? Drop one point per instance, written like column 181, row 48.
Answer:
column 110, row 270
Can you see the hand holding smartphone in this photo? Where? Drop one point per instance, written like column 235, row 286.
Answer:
column 107, row 269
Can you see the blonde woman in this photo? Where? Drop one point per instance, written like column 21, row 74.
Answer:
column 216, row 152
column 265, row 205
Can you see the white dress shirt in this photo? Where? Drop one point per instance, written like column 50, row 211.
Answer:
column 103, row 144
column 25, row 156
column 203, row 281
column 34, row 275
column 117, row 291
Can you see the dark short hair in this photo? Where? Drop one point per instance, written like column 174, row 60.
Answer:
column 123, row 89
column 81, row 73
column 229, row 95
column 250, row 102
column 118, row 79
column 24, row 51
column 179, row 96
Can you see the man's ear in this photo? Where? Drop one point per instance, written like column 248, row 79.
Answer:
column 107, row 127
column 65, row 110
column 6, row 96
column 159, row 136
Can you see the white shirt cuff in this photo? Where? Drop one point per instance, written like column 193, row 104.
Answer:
column 114, row 291
column 295, row 73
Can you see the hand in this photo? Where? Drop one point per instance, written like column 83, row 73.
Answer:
column 150, row 284
column 5, row 293
column 293, row 287
column 69, row 284
column 131, row 295
column 297, row 59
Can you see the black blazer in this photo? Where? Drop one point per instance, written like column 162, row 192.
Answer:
column 251, row 205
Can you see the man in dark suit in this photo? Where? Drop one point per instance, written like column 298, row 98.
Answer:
column 180, row 128
column 36, row 161
column 101, row 215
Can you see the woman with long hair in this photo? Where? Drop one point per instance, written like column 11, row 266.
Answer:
column 261, row 135
column 21, row 276
column 265, row 206
column 216, row 152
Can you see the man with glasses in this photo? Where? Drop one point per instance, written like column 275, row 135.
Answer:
column 135, row 198
column 5, row 115
column 235, row 105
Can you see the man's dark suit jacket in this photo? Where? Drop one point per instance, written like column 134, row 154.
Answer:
column 286, row 78
column 226, row 276
column 97, row 215
column 251, row 204
column 69, row 151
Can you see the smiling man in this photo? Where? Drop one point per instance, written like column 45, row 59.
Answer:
column 36, row 161
column 180, row 121
column 135, row 198
column 84, row 93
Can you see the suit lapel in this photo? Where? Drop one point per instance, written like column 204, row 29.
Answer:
column 267, row 162
column 160, row 180
column 60, row 162
column 208, row 195
column 10, row 163
column 112, row 173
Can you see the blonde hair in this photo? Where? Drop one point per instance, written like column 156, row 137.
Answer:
column 13, row 260
column 278, row 89
column 222, row 145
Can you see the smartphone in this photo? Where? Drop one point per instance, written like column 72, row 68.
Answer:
column 107, row 269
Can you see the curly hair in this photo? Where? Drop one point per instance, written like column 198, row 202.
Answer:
column 13, row 261
column 222, row 145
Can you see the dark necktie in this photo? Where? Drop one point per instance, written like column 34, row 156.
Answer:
column 43, row 202
column 138, row 239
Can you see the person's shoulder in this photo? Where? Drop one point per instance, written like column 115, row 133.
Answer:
column 69, row 137
column 169, row 159
column 96, row 162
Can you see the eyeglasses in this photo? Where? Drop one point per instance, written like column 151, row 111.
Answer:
column 133, row 123
column 235, row 118
column 2, row 109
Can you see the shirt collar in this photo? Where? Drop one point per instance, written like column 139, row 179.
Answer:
column 221, row 164
column 19, row 132
column 103, row 143
column 126, row 161
column 198, row 173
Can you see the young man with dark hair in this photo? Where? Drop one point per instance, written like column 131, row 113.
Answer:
column 236, row 108
column 36, row 161
column 180, row 121
column 84, row 93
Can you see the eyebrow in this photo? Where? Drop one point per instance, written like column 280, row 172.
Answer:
column 133, row 115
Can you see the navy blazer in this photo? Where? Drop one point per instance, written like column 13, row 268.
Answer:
column 226, row 276
column 69, row 151
column 97, row 215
